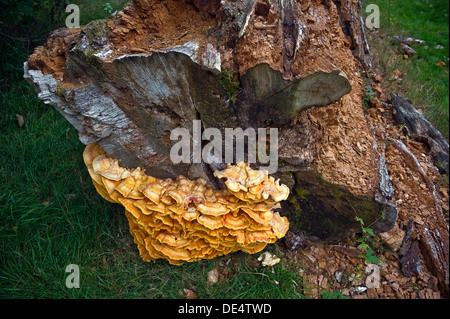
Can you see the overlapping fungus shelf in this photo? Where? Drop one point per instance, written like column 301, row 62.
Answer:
column 186, row 220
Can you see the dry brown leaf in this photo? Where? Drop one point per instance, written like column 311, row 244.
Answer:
column 396, row 75
column 268, row 259
column 213, row 276
column 190, row 294
column 20, row 120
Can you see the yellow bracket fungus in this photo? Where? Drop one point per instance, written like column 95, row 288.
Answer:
column 183, row 220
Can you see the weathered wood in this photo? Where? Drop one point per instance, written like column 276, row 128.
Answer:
column 433, row 234
column 407, row 40
column 419, row 128
column 126, row 83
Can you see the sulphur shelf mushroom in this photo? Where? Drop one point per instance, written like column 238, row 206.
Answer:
column 186, row 220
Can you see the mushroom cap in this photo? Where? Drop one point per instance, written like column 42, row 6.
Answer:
column 211, row 222
column 129, row 207
column 174, row 240
column 151, row 192
column 109, row 168
column 280, row 225
column 92, row 151
column 179, row 196
column 236, row 176
column 95, row 177
column 190, row 214
column 185, row 220
column 255, row 178
column 126, row 186
column 252, row 185
column 254, row 247
column 236, row 222
column 258, row 217
column 212, row 208
column 109, row 185
column 103, row 192
column 160, row 208
column 142, row 205
column 171, row 252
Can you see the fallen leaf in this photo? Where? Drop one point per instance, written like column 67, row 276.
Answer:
column 372, row 112
column 226, row 273
column 378, row 78
column 268, row 259
column 190, row 294
column 440, row 64
column 213, row 276
column 20, row 120
column 322, row 264
column 396, row 75
column 70, row 196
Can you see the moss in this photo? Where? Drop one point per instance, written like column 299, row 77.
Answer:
column 336, row 193
column 95, row 33
column 368, row 210
column 302, row 193
column 65, row 93
column 322, row 181
column 229, row 84
column 96, row 30
column 327, row 211
column 71, row 95
column 60, row 92
column 293, row 201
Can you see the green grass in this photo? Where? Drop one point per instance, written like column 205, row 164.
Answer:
column 424, row 82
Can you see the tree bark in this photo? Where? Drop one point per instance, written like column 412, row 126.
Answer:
column 127, row 82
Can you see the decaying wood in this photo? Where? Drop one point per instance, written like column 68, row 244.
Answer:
column 433, row 234
column 419, row 128
column 128, row 81
column 407, row 40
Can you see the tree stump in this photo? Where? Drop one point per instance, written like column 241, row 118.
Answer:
column 127, row 82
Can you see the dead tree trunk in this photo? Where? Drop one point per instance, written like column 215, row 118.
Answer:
column 127, row 82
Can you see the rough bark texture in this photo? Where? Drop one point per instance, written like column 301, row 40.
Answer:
column 127, row 82
column 421, row 203
column 419, row 128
